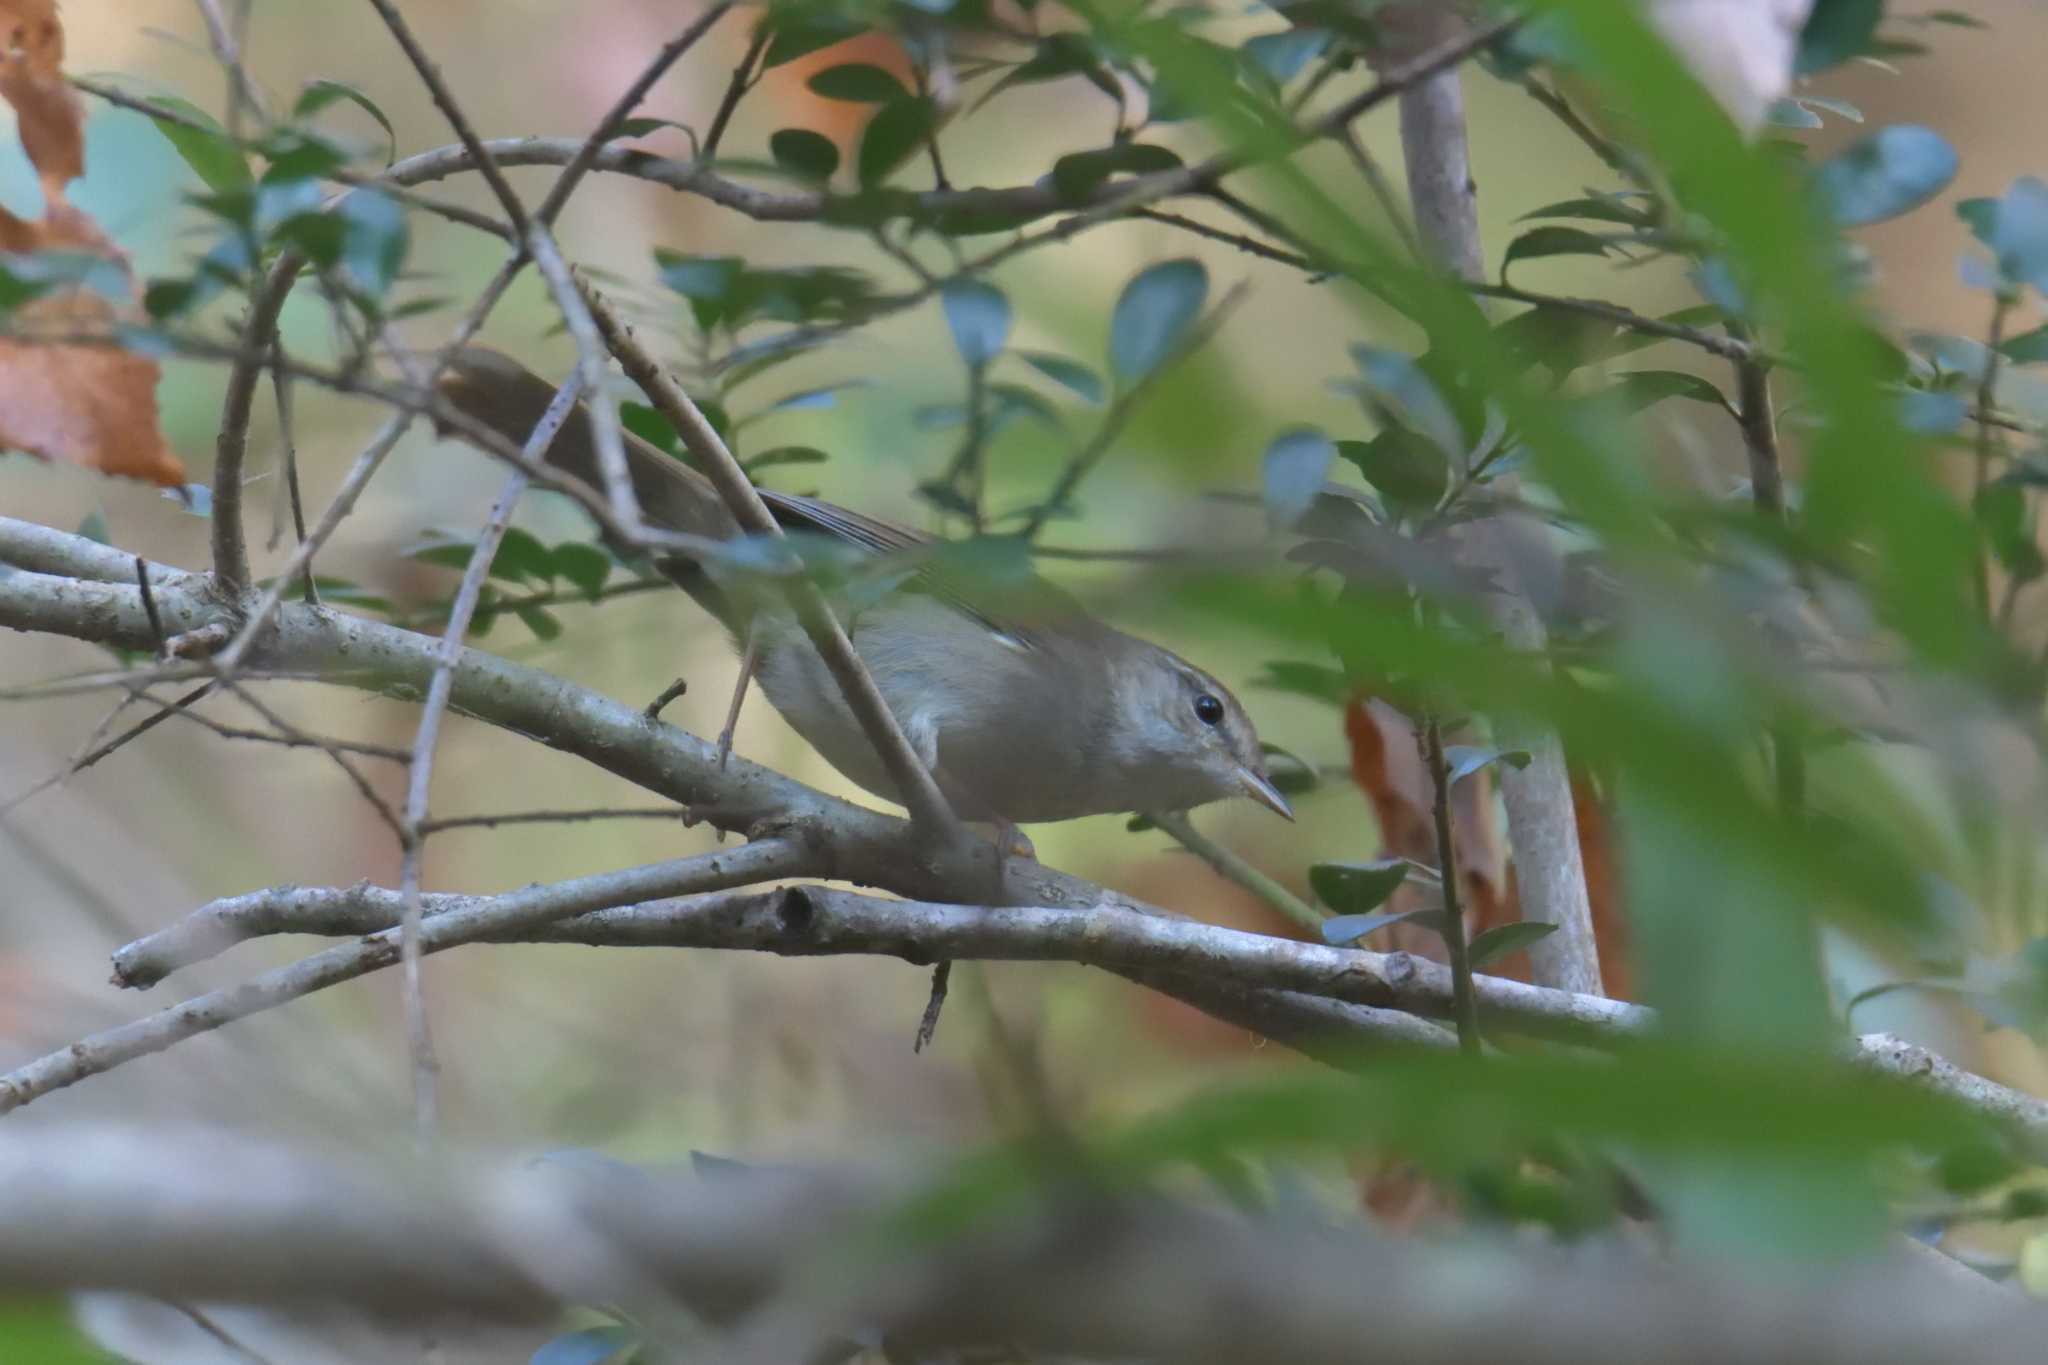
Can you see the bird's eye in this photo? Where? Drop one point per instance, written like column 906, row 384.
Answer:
column 1208, row 710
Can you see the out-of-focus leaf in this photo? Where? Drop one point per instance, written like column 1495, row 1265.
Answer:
column 1281, row 56
column 1071, row 375
column 2028, row 348
column 1293, row 775
column 1293, row 471
column 1934, row 412
column 1077, row 174
column 1396, row 381
column 892, row 135
column 1403, row 467
column 375, row 238
column 1464, row 760
column 650, row 426
column 1638, row 389
column 585, row 566
column 1789, row 113
column 979, row 315
column 1357, row 888
column 1835, row 31
column 1502, row 939
column 805, row 153
column 1553, row 241
column 1892, row 171
column 2015, row 227
column 1604, row 209
column 800, row 32
column 857, row 83
column 1159, row 304
column 543, row 623
column 1339, row 930
column 1319, row 681
column 318, row 94
column 213, row 156
column 591, row 1346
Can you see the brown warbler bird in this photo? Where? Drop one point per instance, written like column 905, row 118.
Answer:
column 1024, row 706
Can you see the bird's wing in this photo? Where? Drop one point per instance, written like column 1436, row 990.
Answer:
column 1007, row 608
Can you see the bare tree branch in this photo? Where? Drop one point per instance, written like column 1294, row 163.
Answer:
column 206, row 1216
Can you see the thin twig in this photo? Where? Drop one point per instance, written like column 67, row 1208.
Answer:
column 156, row 622
column 102, row 1052
column 553, row 817
column 1987, row 441
column 667, row 694
column 742, row 81
column 928, row 1023
column 427, row 737
column 1464, row 1004
column 1237, row 869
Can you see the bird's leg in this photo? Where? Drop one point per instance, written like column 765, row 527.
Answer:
column 748, row 657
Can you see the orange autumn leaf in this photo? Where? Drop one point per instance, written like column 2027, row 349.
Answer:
column 91, row 404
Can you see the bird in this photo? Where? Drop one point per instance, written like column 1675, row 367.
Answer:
column 1025, row 707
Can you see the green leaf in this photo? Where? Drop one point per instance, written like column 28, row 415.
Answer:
column 1077, row 174
column 1355, row 888
column 1465, row 760
column 1317, row 681
column 801, row 152
column 318, row 94
column 541, row 622
column 94, row 527
column 1835, row 31
column 1503, row 939
column 1404, row 468
column 1791, row 114
column 857, row 83
column 1339, row 930
column 798, row 33
column 1396, row 382
column 212, row 155
column 584, row 566
column 1159, row 304
column 375, row 237
column 1638, row 389
column 650, row 426
column 892, row 136
column 1281, row 56
column 1553, row 241
column 1604, row 209
column 641, row 127
column 1293, row 775
column 979, row 315
column 1293, row 471
column 1071, row 375
column 1932, row 412
column 1892, row 171
column 783, row 455
column 591, row 1346
column 2027, row 348
column 2015, row 228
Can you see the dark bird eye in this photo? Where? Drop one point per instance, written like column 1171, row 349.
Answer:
column 1208, row 710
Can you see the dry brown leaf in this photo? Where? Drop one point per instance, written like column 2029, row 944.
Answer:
column 90, row 404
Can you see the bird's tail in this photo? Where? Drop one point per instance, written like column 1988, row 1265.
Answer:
column 498, row 391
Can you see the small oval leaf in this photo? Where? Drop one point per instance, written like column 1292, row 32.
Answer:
column 1502, row 939
column 804, row 153
column 979, row 315
column 1295, row 466
column 1356, row 888
column 1890, row 172
column 1154, row 310
column 857, row 83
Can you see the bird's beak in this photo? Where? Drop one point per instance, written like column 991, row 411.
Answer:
column 1260, row 788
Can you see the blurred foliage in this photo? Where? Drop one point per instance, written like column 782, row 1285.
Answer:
column 1706, row 640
